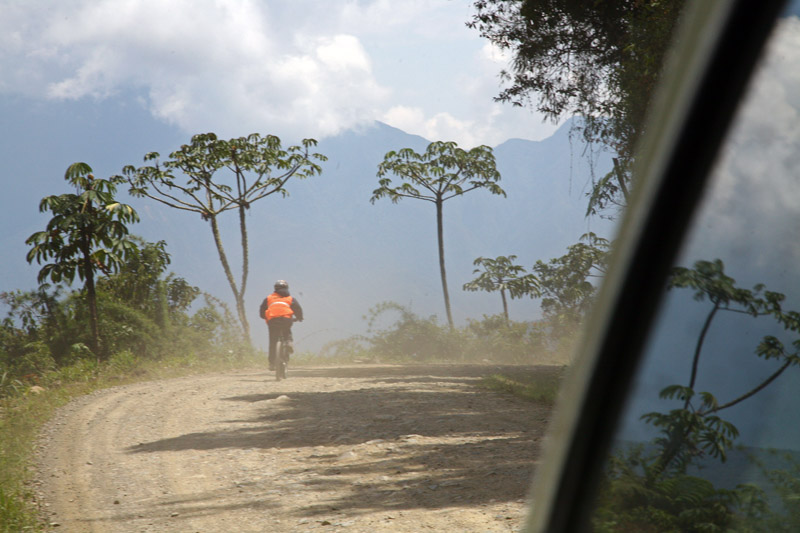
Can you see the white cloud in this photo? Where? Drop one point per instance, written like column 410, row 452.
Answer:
column 440, row 127
column 298, row 69
column 495, row 54
column 495, row 126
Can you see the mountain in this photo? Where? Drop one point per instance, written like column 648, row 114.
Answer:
column 340, row 253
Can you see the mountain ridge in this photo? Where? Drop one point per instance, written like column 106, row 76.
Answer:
column 326, row 238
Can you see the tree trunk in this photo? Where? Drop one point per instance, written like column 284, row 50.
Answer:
column 228, row 274
column 440, row 234
column 621, row 180
column 91, row 297
column 505, row 304
column 698, row 349
column 245, row 272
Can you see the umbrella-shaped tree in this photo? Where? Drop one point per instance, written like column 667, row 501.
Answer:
column 443, row 172
column 501, row 274
column 211, row 176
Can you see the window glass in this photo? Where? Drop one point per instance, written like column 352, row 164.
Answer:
column 711, row 433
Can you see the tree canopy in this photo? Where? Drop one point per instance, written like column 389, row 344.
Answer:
column 565, row 282
column 193, row 179
column 598, row 60
column 662, row 486
column 502, row 275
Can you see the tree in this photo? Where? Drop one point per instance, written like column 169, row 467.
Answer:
column 655, row 490
column 501, row 274
column 443, row 172
column 87, row 234
column 565, row 282
column 598, row 60
column 250, row 161
column 140, row 284
column 695, row 428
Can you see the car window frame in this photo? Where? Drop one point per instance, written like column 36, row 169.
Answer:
column 718, row 48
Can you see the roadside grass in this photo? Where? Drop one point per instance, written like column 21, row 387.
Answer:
column 23, row 413
column 541, row 387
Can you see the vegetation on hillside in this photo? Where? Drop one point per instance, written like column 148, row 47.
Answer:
column 396, row 334
column 148, row 321
column 86, row 236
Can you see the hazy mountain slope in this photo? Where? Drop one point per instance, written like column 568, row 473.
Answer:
column 340, row 254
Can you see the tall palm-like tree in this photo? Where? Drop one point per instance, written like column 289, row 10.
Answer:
column 87, row 235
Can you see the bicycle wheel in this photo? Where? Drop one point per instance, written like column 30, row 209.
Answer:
column 281, row 362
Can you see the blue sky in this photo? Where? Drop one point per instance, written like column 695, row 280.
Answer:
column 306, row 68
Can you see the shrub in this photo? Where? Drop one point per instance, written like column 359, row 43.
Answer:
column 411, row 337
column 123, row 362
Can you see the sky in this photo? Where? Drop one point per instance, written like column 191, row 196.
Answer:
column 305, row 68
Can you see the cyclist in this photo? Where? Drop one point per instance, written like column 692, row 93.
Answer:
column 277, row 309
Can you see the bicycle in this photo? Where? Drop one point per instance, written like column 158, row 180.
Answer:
column 282, row 354
column 281, row 357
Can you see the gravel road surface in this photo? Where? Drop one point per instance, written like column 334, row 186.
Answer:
column 353, row 449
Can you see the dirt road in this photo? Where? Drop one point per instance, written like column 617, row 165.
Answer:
column 376, row 448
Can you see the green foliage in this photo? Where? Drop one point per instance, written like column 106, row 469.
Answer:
column 654, row 492
column 14, row 512
column 144, row 315
column 599, row 60
column 785, row 483
column 9, row 386
column 43, row 315
column 127, row 328
column 88, row 230
column 695, row 429
column 395, row 334
column 564, row 282
column 19, row 424
column 350, row 349
column 501, row 274
column 81, row 370
column 493, row 338
column 443, row 172
column 36, row 360
column 87, row 234
column 410, row 337
column 633, row 499
column 124, row 362
column 193, row 179
column 136, row 280
column 687, row 435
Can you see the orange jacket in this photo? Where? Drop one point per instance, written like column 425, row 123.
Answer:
column 278, row 305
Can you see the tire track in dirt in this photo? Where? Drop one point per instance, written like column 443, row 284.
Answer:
column 368, row 448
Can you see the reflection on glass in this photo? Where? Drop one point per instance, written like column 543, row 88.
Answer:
column 711, row 435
